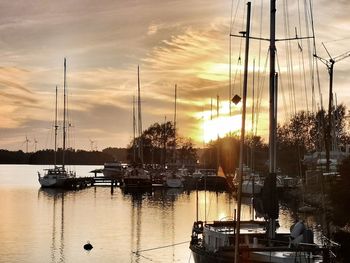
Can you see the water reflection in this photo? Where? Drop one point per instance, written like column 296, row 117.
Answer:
column 56, row 198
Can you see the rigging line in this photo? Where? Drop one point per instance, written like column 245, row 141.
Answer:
column 260, row 90
column 238, row 65
column 290, row 56
column 259, row 58
column 240, row 52
column 259, row 93
column 232, row 89
column 315, row 60
column 302, row 75
column 160, row 247
column 147, row 258
column 260, row 41
column 281, row 87
column 287, row 56
column 336, row 40
column 235, row 16
column 310, row 58
column 302, row 58
column 230, row 62
column 242, row 29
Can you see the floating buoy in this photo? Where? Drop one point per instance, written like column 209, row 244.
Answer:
column 88, row 246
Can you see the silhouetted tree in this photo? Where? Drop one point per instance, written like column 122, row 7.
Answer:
column 158, row 142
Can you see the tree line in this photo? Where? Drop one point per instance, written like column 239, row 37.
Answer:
column 305, row 132
column 159, row 144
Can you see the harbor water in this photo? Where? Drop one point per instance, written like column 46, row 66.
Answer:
column 46, row 225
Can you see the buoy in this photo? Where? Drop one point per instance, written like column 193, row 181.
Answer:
column 88, row 246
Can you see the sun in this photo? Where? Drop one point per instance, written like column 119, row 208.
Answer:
column 211, row 127
column 219, row 127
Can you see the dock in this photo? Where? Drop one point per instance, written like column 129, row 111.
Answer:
column 77, row 183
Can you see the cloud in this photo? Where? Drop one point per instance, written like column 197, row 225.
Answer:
column 174, row 42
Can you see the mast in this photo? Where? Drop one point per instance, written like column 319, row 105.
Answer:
column 245, row 84
column 272, row 121
column 134, row 128
column 252, row 129
column 330, row 104
column 140, row 144
column 175, row 124
column 64, row 115
column 218, row 144
column 56, row 128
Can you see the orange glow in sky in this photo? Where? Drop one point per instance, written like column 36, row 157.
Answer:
column 173, row 42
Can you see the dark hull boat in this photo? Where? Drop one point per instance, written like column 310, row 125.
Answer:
column 214, row 243
column 137, row 178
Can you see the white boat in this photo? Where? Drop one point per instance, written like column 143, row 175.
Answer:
column 252, row 183
column 173, row 179
column 58, row 176
column 55, row 177
column 250, row 187
column 136, row 178
column 114, row 169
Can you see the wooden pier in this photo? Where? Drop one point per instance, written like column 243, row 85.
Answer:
column 78, row 183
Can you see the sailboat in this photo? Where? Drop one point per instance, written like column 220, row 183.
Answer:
column 58, row 175
column 137, row 177
column 256, row 241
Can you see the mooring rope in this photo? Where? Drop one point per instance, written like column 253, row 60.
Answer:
column 155, row 248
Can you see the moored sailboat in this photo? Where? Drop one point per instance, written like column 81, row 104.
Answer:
column 137, row 177
column 57, row 176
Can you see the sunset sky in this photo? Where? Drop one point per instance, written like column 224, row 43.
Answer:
column 174, row 42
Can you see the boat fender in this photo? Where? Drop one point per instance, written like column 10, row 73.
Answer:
column 88, row 246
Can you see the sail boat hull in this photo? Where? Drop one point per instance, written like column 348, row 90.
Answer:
column 201, row 256
column 55, row 177
column 254, row 257
column 52, row 182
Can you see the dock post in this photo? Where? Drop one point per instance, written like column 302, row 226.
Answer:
column 112, row 189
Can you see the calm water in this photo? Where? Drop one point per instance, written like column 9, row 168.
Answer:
column 39, row 225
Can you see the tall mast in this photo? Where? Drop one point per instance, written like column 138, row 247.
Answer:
column 56, row 127
column 64, row 115
column 218, row 144
column 175, row 124
column 252, row 129
column 245, row 85
column 139, row 115
column 134, row 128
column 272, row 127
column 272, row 117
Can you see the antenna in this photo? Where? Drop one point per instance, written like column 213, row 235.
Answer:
column 326, row 50
column 330, row 67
